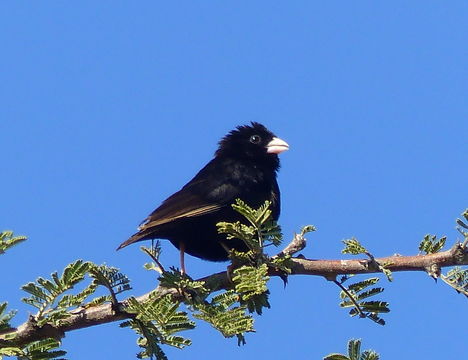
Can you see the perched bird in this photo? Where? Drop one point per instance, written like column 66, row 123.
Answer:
column 244, row 166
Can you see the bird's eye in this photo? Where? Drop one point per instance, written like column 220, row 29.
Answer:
column 255, row 139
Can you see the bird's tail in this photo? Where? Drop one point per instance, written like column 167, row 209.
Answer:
column 134, row 238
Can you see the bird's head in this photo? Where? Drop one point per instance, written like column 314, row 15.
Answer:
column 254, row 142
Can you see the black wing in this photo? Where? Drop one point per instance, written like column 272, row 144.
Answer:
column 206, row 193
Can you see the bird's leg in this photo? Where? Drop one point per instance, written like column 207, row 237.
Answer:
column 182, row 258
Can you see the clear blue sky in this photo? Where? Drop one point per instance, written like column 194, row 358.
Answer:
column 108, row 107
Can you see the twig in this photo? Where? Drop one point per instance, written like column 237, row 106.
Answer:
column 154, row 258
column 351, row 297
column 297, row 244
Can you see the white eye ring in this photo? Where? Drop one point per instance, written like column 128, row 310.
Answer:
column 255, row 139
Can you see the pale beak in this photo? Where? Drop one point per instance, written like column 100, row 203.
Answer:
column 277, row 146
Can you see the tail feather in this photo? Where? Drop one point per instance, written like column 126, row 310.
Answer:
column 134, row 238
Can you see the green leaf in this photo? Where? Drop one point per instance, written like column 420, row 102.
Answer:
column 53, row 316
column 154, row 252
column 71, row 300
column 98, row 301
column 10, row 351
column 431, row 245
column 457, row 278
column 354, row 353
column 356, row 287
column 358, row 292
column 375, row 318
column 148, row 341
column 230, row 322
column 193, row 291
column 251, row 283
column 336, row 357
column 307, row 229
column 460, row 222
column 353, row 247
column 5, row 317
column 225, row 300
column 375, row 306
column 44, row 293
column 262, row 230
column 369, row 293
column 387, row 272
column 42, row 349
column 8, row 240
column 111, row 278
column 222, row 315
column 156, row 321
column 354, row 349
column 152, row 266
column 240, row 231
column 369, row 355
column 163, row 311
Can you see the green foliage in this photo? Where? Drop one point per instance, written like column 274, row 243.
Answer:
column 251, row 284
column 71, row 300
column 463, row 224
column 307, row 229
column 37, row 350
column 154, row 251
column 261, row 232
column 281, row 263
column 5, row 317
column 250, row 277
column 353, row 247
column 430, row 244
column 193, row 291
column 156, row 321
column 45, row 293
column 98, row 301
column 354, row 297
column 458, row 279
column 148, row 341
column 49, row 297
column 7, row 240
column 387, row 272
column 42, row 349
column 175, row 279
column 228, row 319
column 354, row 353
column 53, row 305
column 227, row 311
column 111, row 278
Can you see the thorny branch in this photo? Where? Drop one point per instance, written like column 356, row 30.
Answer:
column 101, row 314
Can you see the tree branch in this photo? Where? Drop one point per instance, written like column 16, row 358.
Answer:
column 457, row 255
column 86, row 317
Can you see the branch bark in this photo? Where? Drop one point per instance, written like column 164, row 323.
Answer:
column 86, row 317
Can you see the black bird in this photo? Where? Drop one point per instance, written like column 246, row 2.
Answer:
column 244, row 167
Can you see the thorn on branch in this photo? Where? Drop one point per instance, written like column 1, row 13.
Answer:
column 433, row 271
